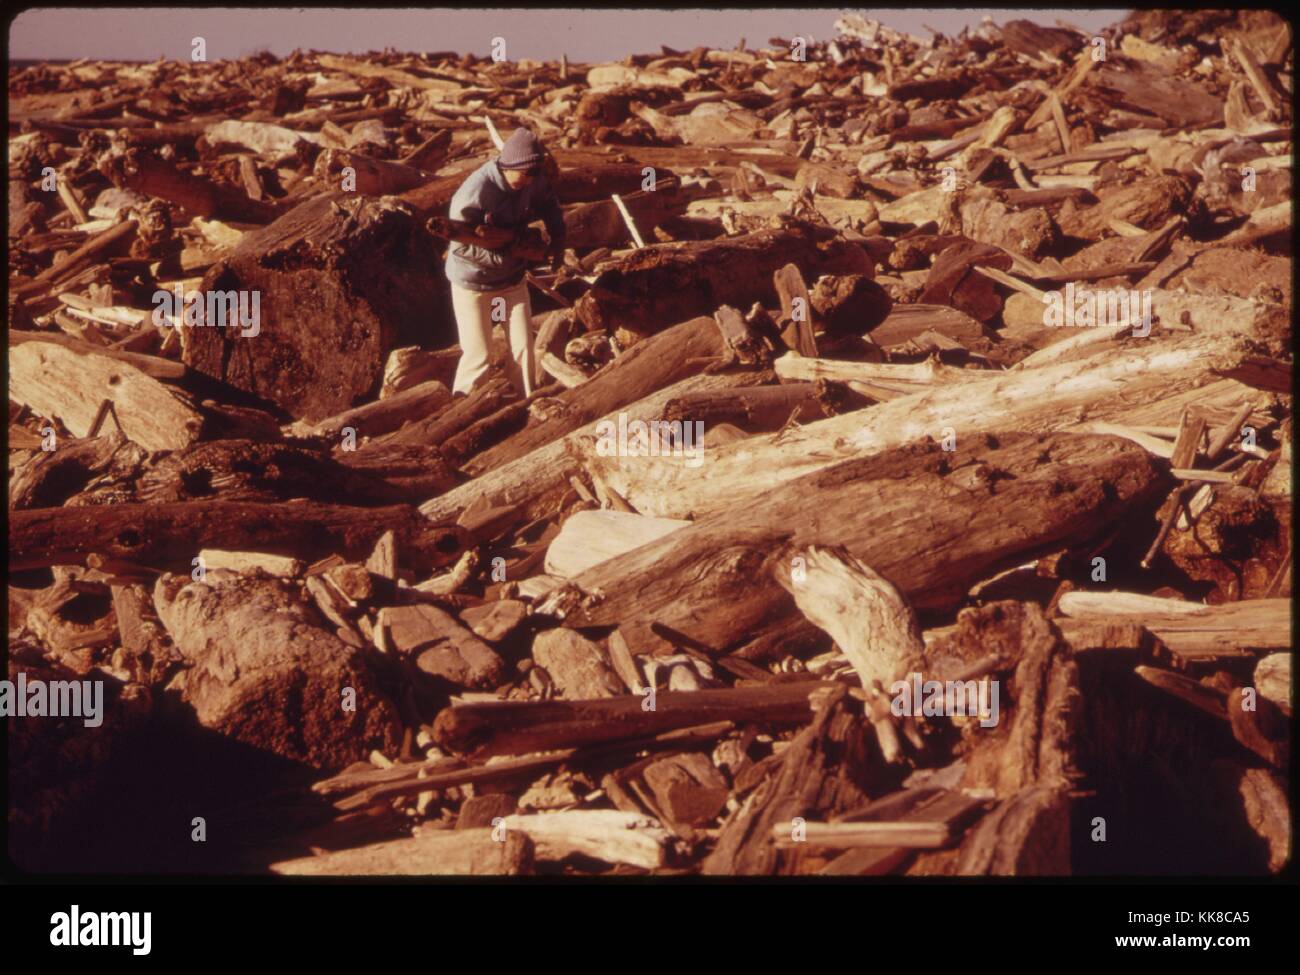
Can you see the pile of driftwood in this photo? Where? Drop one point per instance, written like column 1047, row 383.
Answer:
column 805, row 443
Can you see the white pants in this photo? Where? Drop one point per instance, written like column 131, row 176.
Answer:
column 476, row 313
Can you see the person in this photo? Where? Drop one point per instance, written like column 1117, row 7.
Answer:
column 488, row 286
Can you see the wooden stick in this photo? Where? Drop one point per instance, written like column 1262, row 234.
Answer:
column 627, row 219
column 78, row 258
column 69, row 197
column 1255, row 74
column 846, row 836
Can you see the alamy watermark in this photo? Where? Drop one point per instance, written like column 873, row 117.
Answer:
column 37, row 698
column 214, row 308
column 72, row 929
column 651, row 438
column 946, row 698
column 1112, row 308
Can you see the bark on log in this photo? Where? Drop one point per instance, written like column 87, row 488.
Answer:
column 342, row 281
column 667, row 283
column 156, row 533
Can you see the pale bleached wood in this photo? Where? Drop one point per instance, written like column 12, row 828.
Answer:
column 1190, row 628
column 609, row 835
column 57, row 382
column 793, row 367
column 588, row 538
column 431, row 852
column 1273, row 679
column 276, row 565
column 863, row 612
column 382, row 415
column 1106, row 386
column 539, row 478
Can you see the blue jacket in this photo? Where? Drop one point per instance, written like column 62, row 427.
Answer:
column 486, row 197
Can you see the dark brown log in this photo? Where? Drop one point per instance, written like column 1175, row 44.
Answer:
column 511, row 728
column 149, row 175
column 667, row 283
column 759, row 408
column 953, row 280
column 237, row 470
column 342, row 281
column 172, row 533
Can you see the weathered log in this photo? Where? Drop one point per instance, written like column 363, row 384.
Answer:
column 51, row 477
column 352, row 171
column 58, row 382
column 239, row 470
column 385, row 415
column 430, row 853
column 516, row 728
column 1048, row 398
column 667, row 283
column 976, row 509
column 906, row 322
column 150, row 175
column 157, row 533
column 756, row 409
column 646, row 367
column 538, row 480
column 342, row 280
column 150, row 365
column 483, row 400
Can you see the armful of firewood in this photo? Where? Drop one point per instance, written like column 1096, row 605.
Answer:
column 527, row 242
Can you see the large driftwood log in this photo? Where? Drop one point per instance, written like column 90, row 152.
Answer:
column 516, row 728
column 341, row 281
column 154, row 533
column 931, row 521
column 668, row 283
column 239, row 470
column 1056, row 397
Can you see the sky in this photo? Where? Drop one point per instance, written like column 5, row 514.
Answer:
column 146, row 34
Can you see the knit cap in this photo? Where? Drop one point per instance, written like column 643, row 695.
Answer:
column 521, row 151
